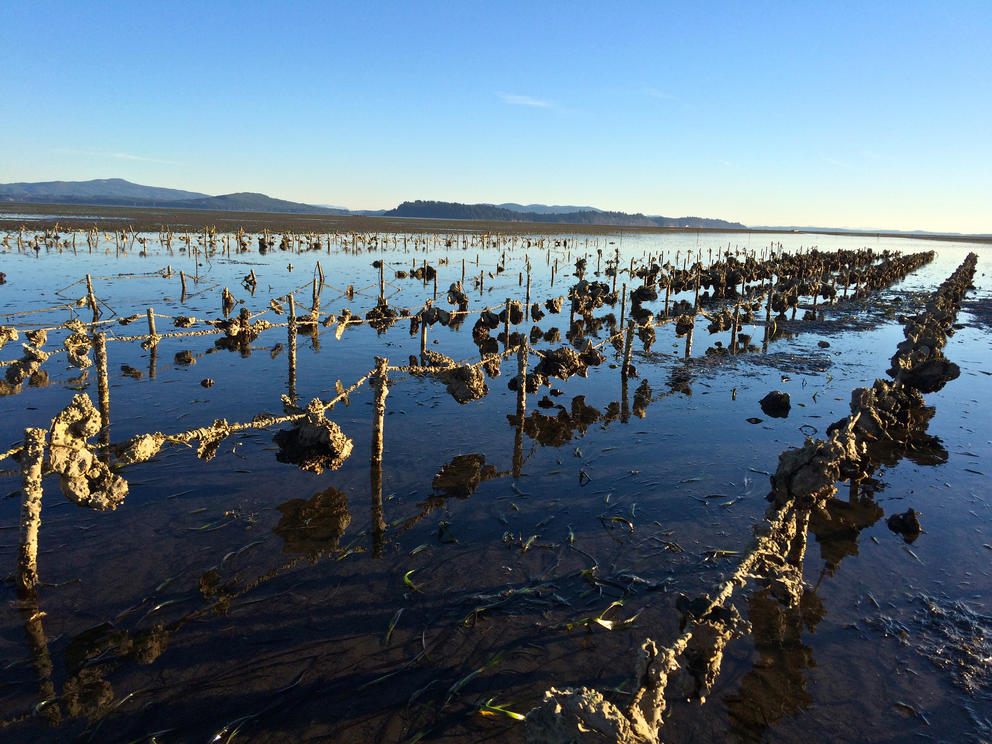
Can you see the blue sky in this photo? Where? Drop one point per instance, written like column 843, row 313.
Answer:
column 862, row 114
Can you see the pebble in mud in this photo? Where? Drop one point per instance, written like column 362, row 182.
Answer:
column 823, row 344
column 207, row 382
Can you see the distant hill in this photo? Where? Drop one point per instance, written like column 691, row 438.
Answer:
column 105, row 188
column 545, row 209
column 863, row 231
column 120, row 193
column 491, row 213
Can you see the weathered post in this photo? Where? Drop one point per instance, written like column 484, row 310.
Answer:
column 291, row 325
column 623, row 304
column 102, row 386
column 32, row 457
column 91, row 299
column 527, row 298
column 506, row 326
column 380, row 382
column 518, row 437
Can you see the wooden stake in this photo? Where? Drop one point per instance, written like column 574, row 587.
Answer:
column 32, row 457
column 292, row 348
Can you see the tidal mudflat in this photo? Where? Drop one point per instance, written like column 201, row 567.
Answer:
column 397, row 486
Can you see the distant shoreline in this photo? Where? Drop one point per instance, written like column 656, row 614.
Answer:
column 145, row 219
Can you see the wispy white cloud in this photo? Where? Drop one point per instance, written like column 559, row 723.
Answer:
column 115, row 155
column 129, row 156
column 838, row 163
column 518, row 100
column 659, row 94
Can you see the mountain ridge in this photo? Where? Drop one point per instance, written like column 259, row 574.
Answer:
column 120, row 192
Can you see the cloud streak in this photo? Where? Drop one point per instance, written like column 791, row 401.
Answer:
column 128, row 156
column 518, row 100
column 659, row 94
column 115, row 155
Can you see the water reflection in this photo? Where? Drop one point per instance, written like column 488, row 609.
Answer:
column 776, row 686
column 313, row 526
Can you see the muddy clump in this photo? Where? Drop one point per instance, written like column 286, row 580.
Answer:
column 463, row 382
column 381, row 317
column 516, row 313
column 684, row 324
column 562, row 363
column 84, row 479
column 532, row 383
column 7, row 334
column 581, row 716
column 906, row 524
column 457, row 296
column 315, row 443
column 776, row 404
column 240, row 329
column 77, row 345
column 27, row 365
column 809, row 474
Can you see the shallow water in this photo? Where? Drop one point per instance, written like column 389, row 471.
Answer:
column 245, row 596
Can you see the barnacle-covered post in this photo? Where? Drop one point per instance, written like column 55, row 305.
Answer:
column 735, row 328
column 152, row 344
column 102, row 386
column 291, row 339
column 423, row 330
column 527, row 297
column 32, row 456
column 518, row 439
column 506, row 327
column 380, row 383
column 91, row 299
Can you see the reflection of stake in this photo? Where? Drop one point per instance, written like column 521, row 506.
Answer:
column 41, row 658
column 518, row 437
column 381, row 385
column 31, row 459
column 628, row 348
column 688, row 343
